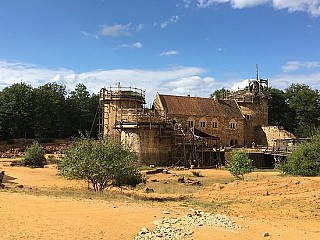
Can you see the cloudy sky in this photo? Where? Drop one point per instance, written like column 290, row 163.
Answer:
column 169, row 46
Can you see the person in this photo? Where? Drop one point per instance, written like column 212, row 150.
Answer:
column 1, row 177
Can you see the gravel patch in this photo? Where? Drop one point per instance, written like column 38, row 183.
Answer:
column 179, row 228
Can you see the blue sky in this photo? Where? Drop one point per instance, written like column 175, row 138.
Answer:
column 169, row 46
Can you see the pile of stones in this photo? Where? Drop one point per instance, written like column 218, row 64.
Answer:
column 179, row 228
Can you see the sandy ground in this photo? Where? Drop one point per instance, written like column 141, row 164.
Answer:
column 285, row 207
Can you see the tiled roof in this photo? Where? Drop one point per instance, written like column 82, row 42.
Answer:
column 196, row 106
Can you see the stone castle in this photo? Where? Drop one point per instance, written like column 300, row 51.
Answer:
column 184, row 130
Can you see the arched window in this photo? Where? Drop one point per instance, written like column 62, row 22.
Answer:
column 232, row 124
column 214, row 123
column 203, row 123
column 190, row 122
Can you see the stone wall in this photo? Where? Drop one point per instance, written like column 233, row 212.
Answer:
column 223, row 130
column 148, row 145
column 256, row 116
column 275, row 132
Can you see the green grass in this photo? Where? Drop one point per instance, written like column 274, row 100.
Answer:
column 172, row 187
column 71, row 193
column 208, row 205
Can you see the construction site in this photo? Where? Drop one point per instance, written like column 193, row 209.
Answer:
column 188, row 131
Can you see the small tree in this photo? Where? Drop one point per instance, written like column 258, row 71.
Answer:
column 101, row 163
column 305, row 160
column 240, row 164
column 34, row 156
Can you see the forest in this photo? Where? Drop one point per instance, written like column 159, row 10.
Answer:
column 296, row 108
column 49, row 111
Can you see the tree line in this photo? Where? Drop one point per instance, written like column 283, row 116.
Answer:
column 48, row 111
column 297, row 108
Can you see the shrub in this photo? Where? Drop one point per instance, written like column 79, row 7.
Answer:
column 34, row 156
column 305, row 160
column 197, row 174
column 52, row 160
column 240, row 164
column 101, row 163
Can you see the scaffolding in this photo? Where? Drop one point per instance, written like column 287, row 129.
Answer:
column 122, row 108
column 256, row 89
column 126, row 103
column 194, row 148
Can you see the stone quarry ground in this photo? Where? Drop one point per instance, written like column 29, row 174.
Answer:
column 39, row 204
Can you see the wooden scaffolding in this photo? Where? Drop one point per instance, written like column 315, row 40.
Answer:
column 194, row 148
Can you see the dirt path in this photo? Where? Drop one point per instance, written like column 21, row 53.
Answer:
column 286, row 208
column 41, row 217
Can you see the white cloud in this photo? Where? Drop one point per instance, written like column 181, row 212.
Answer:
column 115, row 30
column 168, row 53
column 291, row 66
column 184, row 3
column 137, row 45
column 247, row 3
column 182, row 80
column 89, row 34
column 239, row 85
column 164, row 80
column 133, row 45
column 140, row 27
column 283, row 81
column 173, row 19
column 191, row 85
column 296, row 65
column 208, row 3
column 13, row 72
column 310, row 6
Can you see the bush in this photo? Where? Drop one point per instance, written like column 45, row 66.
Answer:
column 101, row 163
column 305, row 160
column 197, row 174
column 34, row 156
column 240, row 164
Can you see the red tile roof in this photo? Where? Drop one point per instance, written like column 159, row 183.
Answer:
column 196, row 106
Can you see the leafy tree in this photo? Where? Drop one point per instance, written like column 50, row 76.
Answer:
column 51, row 111
column 46, row 112
column 34, row 156
column 219, row 93
column 240, row 164
column 101, row 163
column 305, row 160
column 280, row 112
column 16, row 104
column 83, row 109
column 305, row 103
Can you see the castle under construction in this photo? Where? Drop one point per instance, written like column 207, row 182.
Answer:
column 183, row 130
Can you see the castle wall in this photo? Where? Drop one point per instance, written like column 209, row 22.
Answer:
column 256, row 116
column 275, row 132
column 148, row 145
column 228, row 136
column 257, row 110
column 125, row 121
